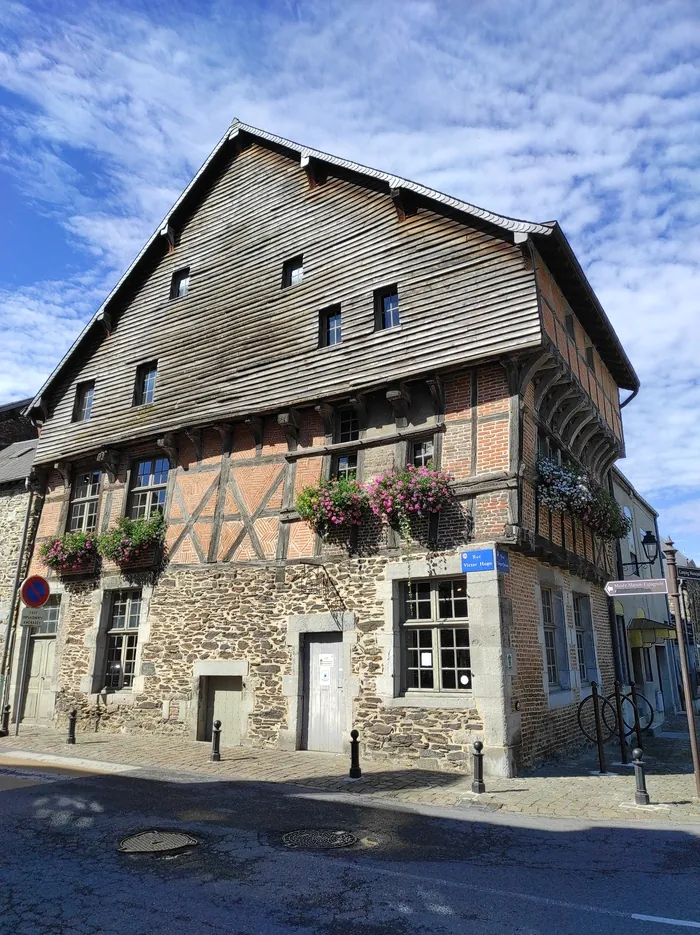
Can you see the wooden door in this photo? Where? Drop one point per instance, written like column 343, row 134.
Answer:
column 323, row 693
column 224, row 704
column 38, row 697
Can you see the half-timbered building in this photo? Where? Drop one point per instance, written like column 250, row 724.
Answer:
column 298, row 316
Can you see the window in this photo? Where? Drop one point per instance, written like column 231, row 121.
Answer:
column 422, row 453
column 386, row 308
column 180, row 283
column 345, row 466
column 145, row 388
column 149, row 481
column 633, row 564
column 330, row 330
column 84, row 395
column 82, row 513
column 550, row 637
column 648, row 669
column 435, row 636
column 570, row 326
column 348, row 426
column 52, row 609
column 590, row 357
column 621, row 631
column 293, row 272
column 122, row 635
column 547, row 449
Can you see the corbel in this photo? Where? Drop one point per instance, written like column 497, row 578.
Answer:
column 359, row 404
column 290, row 422
column 400, row 400
column 316, row 171
column 437, row 391
column 404, row 201
column 559, row 397
column 225, row 430
column 530, row 367
column 63, row 468
column 585, row 438
column 39, row 412
column 327, row 413
column 168, row 443
column 105, row 319
column 548, row 380
column 240, row 140
column 36, row 479
column 168, row 231
column 584, row 418
column 195, row 436
column 108, row 460
column 574, row 411
column 255, row 424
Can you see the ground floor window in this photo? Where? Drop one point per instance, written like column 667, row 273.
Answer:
column 122, row 637
column 585, row 644
column 52, row 609
column 435, row 636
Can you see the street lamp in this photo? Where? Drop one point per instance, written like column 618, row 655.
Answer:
column 651, row 547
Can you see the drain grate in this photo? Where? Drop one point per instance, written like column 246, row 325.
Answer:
column 319, row 839
column 156, row 842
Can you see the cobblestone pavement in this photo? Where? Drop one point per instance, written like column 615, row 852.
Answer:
column 565, row 788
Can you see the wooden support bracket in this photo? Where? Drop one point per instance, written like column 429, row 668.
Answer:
column 437, row 391
column 225, row 430
column 108, row 460
column 400, row 400
column 359, row 404
column 290, row 422
column 405, row 202
column 327, row 413
column 195, row 436
column 256, row 426
column 168, row 443
column 168, row 231
column 63, row 468
column 316, row 171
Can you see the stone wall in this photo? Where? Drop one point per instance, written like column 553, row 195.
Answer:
column 13, row 507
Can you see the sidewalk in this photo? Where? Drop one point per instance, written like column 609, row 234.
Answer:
column 568, row 788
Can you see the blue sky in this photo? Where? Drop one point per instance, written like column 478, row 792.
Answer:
column 584, row 112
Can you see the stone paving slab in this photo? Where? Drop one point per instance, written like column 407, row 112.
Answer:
column 571, row 788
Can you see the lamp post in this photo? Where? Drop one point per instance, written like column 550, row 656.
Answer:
column 672, row 580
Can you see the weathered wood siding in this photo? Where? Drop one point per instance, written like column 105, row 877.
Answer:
column 599, row 384
column 239, row 343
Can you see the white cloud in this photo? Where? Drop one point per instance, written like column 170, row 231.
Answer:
column 556, row 111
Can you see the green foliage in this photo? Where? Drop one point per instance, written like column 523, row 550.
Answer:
column 339, row 501
column 130, row 538
column 566, row 487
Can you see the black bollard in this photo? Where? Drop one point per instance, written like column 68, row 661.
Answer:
column 635, row 705
column 72, row 720
column 355, row 771
column 478, row 768
column 598, row 729
column 620, row 723
column 216, row 741
column 5, row 721
column 641, row 796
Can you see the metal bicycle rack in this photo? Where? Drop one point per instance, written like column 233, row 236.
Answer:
column 621, row 714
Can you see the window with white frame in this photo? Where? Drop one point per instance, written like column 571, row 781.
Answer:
column 52, row 610
column 293, row 272
column 550, row 637
column 435, row 636
column 82, row 512
column 148, row 487
column 122, row 638
column 330, row 327
column 345, row 466
column 180, row 283
column 422, row 453
column 585, row 645
column 145, row 385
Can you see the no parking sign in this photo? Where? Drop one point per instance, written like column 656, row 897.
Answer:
column 35, row 591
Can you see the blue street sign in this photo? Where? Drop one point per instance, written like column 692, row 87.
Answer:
column 502, row 561
column 478, row 560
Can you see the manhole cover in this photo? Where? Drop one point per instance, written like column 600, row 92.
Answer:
column 156, row 842
column 320, row 838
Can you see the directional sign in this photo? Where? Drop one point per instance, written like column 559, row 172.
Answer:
column 35, row 591
column 478, row 560
column 640, row 586
column 32, row 616
column 690, row 573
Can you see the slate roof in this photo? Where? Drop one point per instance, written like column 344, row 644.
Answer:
column 16, row 460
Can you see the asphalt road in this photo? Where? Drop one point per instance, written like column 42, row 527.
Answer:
column 413, row 870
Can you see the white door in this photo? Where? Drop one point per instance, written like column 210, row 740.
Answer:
column 224, row 704
column 323, row 689
column 38, row 697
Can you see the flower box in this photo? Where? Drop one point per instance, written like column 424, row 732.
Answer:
column 72, row 554
column 86, row 568
column 147, row 557
column 134, row 543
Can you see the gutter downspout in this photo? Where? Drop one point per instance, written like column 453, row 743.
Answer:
column 8, row 648
column 629, row 398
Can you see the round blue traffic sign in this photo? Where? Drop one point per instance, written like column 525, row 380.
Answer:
column 35, row 591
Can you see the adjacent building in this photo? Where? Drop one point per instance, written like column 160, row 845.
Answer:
column 299, row 316
column 644, row 631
